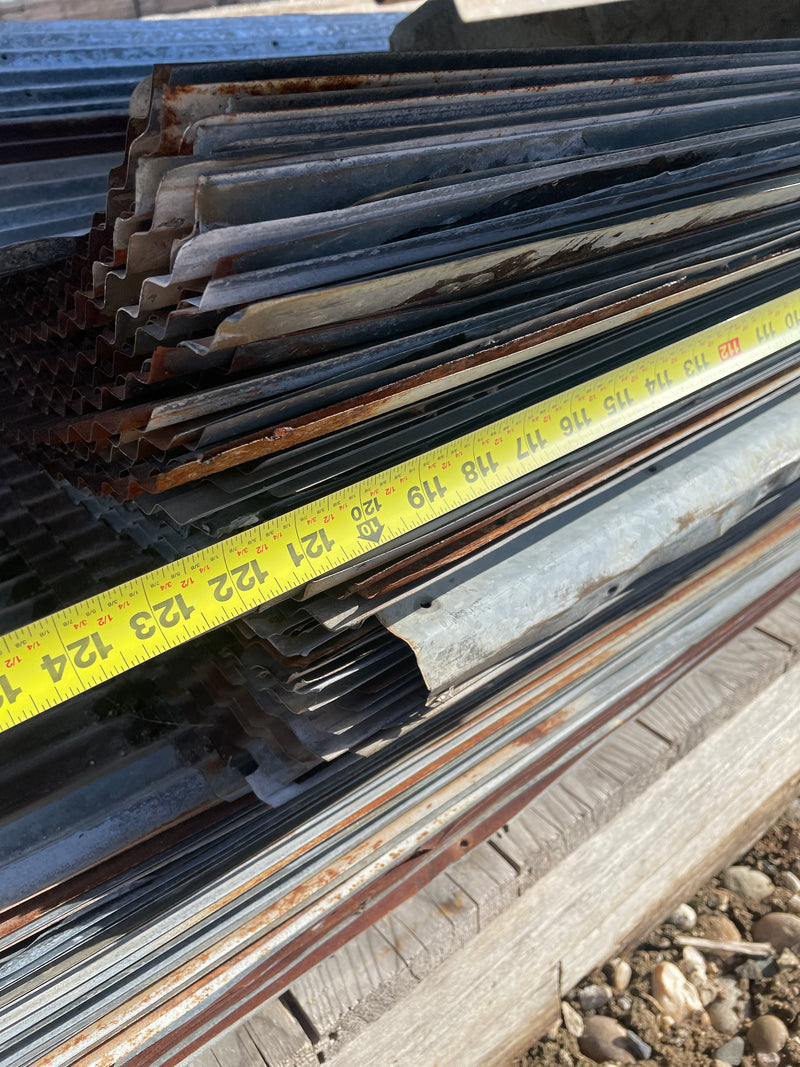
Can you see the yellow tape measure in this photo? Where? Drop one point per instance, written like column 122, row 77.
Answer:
column 67, row 653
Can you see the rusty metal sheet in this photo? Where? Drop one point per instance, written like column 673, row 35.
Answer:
column 234, row 370
column 496, row 748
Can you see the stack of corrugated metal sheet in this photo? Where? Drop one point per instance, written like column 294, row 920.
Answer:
column 65, row 89
column 309, row 271
column 253, row 290
column 312, row 268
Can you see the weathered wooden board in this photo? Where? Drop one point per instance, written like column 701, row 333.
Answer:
column 279, row 1037
column 703, row 698
column 488, row 878
column 353, row 986
column 469, row 969
column 486, row 1001
column 457, row 907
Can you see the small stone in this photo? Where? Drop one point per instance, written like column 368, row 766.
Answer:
column 767, row 1034
column 793, row 904
column 790, row 881
column 684, row 917
column 622, row 975
column 693, row 965
column 757, row 970
column 728, row 989
column 674, row 993
column 780, row 929
column 604, row 1039
column 640, row 1048
column 572, row 1020
column 732, row 1051
column 593, row 997
column 624, row 1003
column 768, row 1059
column 564, row 1058
column 707, row 995
column 717, row 927
column 723, row 1017
column 787, row 960
column 655, row 941
column 719, row 899
column 748, row 883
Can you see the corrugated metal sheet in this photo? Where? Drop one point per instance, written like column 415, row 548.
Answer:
column 306, row 271
column 65, row 88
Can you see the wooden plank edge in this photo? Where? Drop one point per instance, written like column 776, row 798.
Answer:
column 643, row 774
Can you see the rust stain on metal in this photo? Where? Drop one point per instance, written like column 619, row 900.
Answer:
column 393, row 887
column 370, row 405
column 652, row 79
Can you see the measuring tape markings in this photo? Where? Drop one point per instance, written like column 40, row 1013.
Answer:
column 77, row 648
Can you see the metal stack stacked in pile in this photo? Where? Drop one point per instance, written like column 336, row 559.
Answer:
column 66, row 88
column 459, row 395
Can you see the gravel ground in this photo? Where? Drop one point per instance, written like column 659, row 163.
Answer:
column 685, row 996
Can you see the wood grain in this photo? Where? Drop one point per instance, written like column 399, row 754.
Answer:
column 353, row 987
column 468, row 970
column 500, row 991
column 279, row 1037
column 488, row 878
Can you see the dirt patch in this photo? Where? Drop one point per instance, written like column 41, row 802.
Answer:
column 735, row 988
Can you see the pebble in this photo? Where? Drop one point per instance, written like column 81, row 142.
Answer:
column 718, row 928
column 572, row 1020
column 790, row 881
column 732, row 1051
column 641, row 1049
column 748, row 883
column 624, row 1003
column 674, row 993
column 604, row 1039
column 718, row 899
column 621, row 977
column 693, row 965
column 723, row 1016
column 728, row 988
column 781, row 929
column 684, row 917
column 593, row 997
column 767, row 1034
column 768, row 1059
column 757, row 970
column 787, row 961
column 793, row 904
